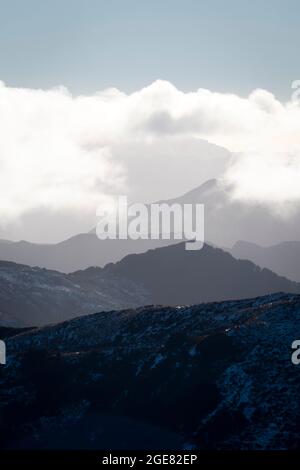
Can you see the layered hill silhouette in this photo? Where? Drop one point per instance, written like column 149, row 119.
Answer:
column 78, row 252
column 283, row 258
column 173, row 275
column 213, row 376
column 168, row 276
column 226, row 221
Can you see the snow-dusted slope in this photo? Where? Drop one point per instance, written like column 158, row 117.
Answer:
column 35, row 296
column 215, row 375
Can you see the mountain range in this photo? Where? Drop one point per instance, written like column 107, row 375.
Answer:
column 167, row 276
column 227, row 221
column 78, row 252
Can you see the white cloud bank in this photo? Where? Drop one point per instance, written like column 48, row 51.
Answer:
column 56, row 151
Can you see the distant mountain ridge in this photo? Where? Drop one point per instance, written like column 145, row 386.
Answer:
column 78, row 252
column 283, row 258
column 227, row 220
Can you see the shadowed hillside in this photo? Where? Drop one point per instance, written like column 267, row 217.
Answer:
column 211, row 376
column 173, row 275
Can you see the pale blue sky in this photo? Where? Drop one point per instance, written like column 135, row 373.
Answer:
column 233, row 45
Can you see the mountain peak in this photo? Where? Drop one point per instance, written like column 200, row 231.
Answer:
column 173, row 275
